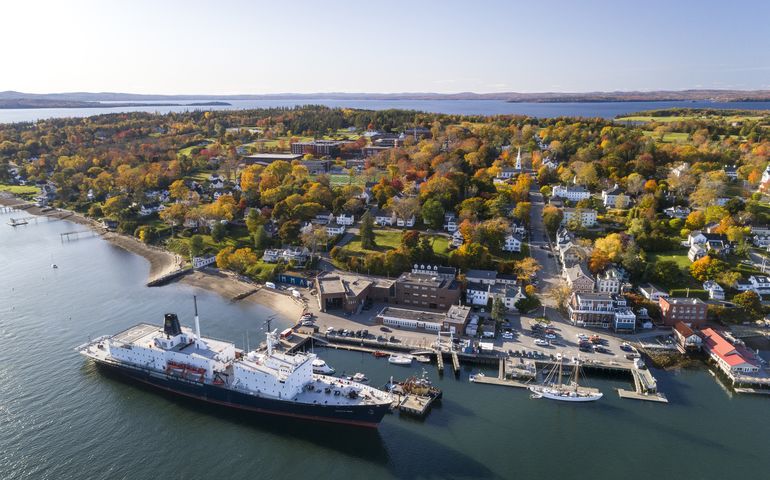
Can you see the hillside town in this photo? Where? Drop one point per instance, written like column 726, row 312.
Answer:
column 482, row 229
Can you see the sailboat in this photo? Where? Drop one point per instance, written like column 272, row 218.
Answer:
column 565, row 392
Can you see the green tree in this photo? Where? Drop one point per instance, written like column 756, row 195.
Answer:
column 433, row 214
column 196, row 245
column 367, row 232
column 498, row 310
column 750, row 302
column 218, row 232
column 261, row 239
column 666, row 271
column 552, row 218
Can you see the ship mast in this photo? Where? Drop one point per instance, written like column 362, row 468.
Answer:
column 197, row 320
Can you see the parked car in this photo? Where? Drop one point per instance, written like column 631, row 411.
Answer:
column 385, row 329
column 541, row 343
column 550, row 336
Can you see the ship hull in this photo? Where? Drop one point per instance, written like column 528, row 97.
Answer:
column 555, row 395
column 357, row 415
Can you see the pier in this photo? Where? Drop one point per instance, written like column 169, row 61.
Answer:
column 74, row 235
column 455, row 363
column 164, row 279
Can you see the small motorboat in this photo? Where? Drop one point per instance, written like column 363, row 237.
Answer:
column 380, row 353
column 400, row 360
column 319, row 366
column 422, row 358
column 53, row 265
column 359, row 378
column 473, row 378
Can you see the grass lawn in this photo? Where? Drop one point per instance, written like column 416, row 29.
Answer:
column 679, row 118
column 391, row 239
column 678, row 256
column 670, row 137
column 338, row 180
column 19, row 189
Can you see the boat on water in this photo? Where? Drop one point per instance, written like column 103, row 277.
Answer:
column 179, row 360
column 380, row 353
column 554, row 388
column 320, row 366
column 358, row 377
column 414, row 385
column 400, row 360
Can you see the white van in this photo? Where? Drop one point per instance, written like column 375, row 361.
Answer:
column 270, row 285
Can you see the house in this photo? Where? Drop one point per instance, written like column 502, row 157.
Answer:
column 651, row 292
column 579, row 278
column 677, row 212
column 507, row 172
column 382, row 218
column 586, row 216
column 761, row 240
column 511, row 296
column 591, row 309
column 609, row 281
column 571, row 254
column 574, row 193
column 563, row 237
column 323, row 218
column 486, row 277
column 477, row 293
column 298, row 255
column 512, row 243
column 731, row 359
column 760, row 229
column 148, row 209
column 550, row 164
column 321, row 148
column 692, row 311
column 405, row 222
column 450, row 222
column 760, row 284
column 709, row 241
column 346, row 219
column 715, row 291
column 610, row 197
column 457, row 239
column 686, row 338
column 680, row 169
column 731, row 171
column 696, row 252
column 518, row 227
column 333, row 229
column 200, row 262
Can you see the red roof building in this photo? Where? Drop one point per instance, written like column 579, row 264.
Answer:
column 732, row 359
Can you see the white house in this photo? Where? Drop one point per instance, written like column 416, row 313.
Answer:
column 512, row 243
column 610, row 197
column 486, row 277
column 677, row 212
column 200, row 262
column 652, row 293
column 715, row 291
column 408, row 222
column 696, row 252
column 334, row 228
column 383, row 218
column 149, row 208
column 587, row 216
column 346, row 219
column 571, row 192
column 608, row 281
column 457, row 239
column 477, row 293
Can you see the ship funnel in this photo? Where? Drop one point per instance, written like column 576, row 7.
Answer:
column 197, row 320
column 171, row 325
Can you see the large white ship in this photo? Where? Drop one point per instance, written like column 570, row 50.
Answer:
column 180, row 360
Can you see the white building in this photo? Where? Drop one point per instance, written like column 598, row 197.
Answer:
column 715, row 291
column 346, row 219
column 610, row 197
column 609, row 281
column 334, row 229
column 574, row 193
column 457, row 239
column 587, row 216
column 677, row 212
column 512, row 243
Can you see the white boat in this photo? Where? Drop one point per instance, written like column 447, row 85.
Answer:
column 400, row 360
column 564, row 392
column 360, row 378
column 321, row 367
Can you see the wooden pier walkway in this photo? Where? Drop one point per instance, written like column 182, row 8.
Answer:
column 455, row 363
column 440, row 361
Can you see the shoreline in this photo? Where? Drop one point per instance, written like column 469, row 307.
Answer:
column 163, row 262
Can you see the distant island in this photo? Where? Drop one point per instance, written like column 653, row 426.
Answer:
column 37, row 102
column 13, row 99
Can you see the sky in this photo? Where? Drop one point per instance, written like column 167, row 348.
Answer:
column 255, row 47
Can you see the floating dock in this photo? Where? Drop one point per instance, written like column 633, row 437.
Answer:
column 415, row 405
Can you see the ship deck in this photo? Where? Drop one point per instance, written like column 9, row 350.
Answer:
column 318, row 396
column 144, row 334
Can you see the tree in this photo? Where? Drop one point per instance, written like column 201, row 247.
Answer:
column 750, row 302
column 527, row 268
column 433, row 214
column 498, row 310
column 218, row 232
column 179, row 191
column 560, row 294
column 708, row 268
column 366, row 232
column 289, row 232
column 552, row 218
column 521, row 212
column 196, row 245
column 666, row 271
column 695, row 220
column 527, row 304
column 261, row 239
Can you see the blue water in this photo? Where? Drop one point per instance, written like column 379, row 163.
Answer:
column 464, row 107
column 61, row 419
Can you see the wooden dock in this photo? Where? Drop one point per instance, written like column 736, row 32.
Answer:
column 650, row 397
column 440, row 361
column 414, row 405
column 455, row 363
column 646, row 387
